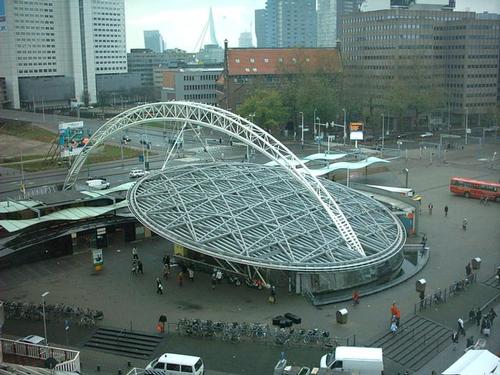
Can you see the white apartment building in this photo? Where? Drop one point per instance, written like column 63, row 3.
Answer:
column 52, row 50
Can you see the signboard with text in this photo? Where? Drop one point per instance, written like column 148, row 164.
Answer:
column 3, row 21
column 356, row 130
column 71, row 138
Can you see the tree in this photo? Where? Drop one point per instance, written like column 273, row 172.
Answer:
column 265, row 108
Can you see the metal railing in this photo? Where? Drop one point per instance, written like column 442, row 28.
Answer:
column 136, row 371
column 441, row 296
column 68, row 360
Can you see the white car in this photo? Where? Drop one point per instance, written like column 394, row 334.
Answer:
column 135, row 173
column 426, row 134
column 98, row 184
column 33, row 339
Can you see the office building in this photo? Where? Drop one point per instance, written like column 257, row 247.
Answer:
column 52, row 50
column 330, row 13
column 290, row 23
column 246, row 67
column 153, row 41
column 457, row 50
column 191, row 84
column 245, row 40
column 4, row 101
column 260, row 27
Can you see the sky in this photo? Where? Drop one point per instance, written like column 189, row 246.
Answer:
column 181, row 22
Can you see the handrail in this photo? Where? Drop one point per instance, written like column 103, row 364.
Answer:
column 42, row 352
column 73, row 365
column 136, row 371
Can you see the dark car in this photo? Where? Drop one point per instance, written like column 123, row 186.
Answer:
column 126, row 139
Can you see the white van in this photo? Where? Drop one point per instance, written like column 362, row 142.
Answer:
column 362, row 361
column 98, row 184
column 175, row 364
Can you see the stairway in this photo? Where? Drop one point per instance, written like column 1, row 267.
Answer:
column 125, row 343
column 492, row 281
column 417, row 341
column 10, row 369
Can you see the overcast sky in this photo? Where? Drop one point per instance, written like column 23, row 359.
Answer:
column 181, row 22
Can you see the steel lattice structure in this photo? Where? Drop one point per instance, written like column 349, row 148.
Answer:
column 235, row 126
column 260, row 216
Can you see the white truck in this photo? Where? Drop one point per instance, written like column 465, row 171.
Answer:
column 357, row 360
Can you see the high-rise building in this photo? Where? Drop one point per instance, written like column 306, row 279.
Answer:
column 260, row 27
column 245, row 40
column 330, row 13
column 56, row 66
column 290, row 23
column 153, row 41
column 458, row 50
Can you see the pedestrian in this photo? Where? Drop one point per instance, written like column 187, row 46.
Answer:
column 166, row 259
column 162, row 320
column 461, row 328
column 134, row 267
column 464, row 223
column 218, row 276
column 139, row 267
column 430, row 206
column 445, row 211
column 159, row 287
column 395, row 313
column 272, row 295
column 424, row 240
column 479, row 315
column 394, row 326
column 472, row 315
column 134, row 253
column 355, row 297
column 191, row 274
column 179, row 278
column 470, row 341
column 421, row 295
column 468, row 269
column 492, row 315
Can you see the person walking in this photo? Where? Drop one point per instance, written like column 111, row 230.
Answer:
column 395, row 313
column 179, row 278
column 492, row 315
column 161, row 322
column 139, row 267
column 430, row 206
column 445, row 211
column 134, row 267
column 214, row 281
column 166, row 271
column 454, row 339
column 472, row 315
column 479, row 315
column 218, row 276
column 272, row 295
column 135, row 255
column 461, row 328
column 355, row 297
column 464, row 223
column 159, row 287
column 468, row 269
column 191, row 274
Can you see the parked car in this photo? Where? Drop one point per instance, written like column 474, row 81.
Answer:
column 98, row 184
column 33, row 339
column 426, row 135
column 135, row 173
column 126, row 139
column 175, row 364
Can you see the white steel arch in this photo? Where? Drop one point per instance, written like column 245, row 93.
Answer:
column 232, row 125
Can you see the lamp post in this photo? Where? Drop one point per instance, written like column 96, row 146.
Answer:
column 466, row 123
column 383, row 130
column 405, row 171
column 44, row 320
column 314, row 122
column 345, row 117
column 302, row 126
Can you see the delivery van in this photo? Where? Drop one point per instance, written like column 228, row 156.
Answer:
column 357, row 360
column 98, row 184
column 175, row 364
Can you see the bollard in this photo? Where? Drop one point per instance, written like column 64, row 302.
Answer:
column 98, row 368
column 119, row 372
column 129, row 364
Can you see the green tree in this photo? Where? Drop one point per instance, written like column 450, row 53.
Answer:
column 265, row 108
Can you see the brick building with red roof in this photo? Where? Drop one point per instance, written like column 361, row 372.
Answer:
column 245, row 67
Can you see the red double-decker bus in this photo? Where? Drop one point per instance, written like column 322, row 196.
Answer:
column 471, row 188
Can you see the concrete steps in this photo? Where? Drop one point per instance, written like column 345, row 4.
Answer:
column 125, row 343
column 492, row 281
column 10, row 369
column 418, row 340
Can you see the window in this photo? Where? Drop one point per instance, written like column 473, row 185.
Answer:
column 237, row 61
column 159, row 365
column 187, row 369
column 252, row 60
column 173, row 367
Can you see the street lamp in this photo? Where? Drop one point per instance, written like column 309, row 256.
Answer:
column 44, row 320
column 383, row 130
column 405, row 171
column 466, row 123
column 314, row 121
column 345, row 133
column 302, row 126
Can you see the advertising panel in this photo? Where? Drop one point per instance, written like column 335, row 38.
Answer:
column 71, row 138
column 356, row 130
column 3, row 21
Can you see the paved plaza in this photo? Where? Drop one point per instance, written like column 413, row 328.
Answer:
column 130, row 302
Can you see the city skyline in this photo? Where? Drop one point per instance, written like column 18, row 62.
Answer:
column 231, row 19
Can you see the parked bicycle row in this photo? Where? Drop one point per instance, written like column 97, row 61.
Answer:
column 57, row 312
column 236, row 332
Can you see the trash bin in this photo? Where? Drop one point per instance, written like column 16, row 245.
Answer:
column 420, row 285
column 342, row 316
column 476, row 263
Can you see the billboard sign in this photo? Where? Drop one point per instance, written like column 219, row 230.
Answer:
column 3, row 22
column 72, row 138
column 356, row 130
